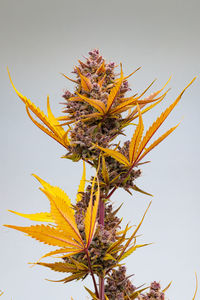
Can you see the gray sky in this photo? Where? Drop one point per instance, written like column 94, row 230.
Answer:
column 40, row 39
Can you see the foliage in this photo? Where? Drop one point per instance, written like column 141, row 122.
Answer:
column 88, row 231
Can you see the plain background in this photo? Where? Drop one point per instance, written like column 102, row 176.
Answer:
column 41, row 38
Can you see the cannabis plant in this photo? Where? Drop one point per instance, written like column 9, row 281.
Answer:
column 87, row 233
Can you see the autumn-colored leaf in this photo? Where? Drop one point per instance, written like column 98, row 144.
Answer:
column 47, row 235
column 135, row 141
column 114, row 91
column 116, row 155
column 81, row 187
column 38, row 217
column 105, row 173
column 154, row 127
column 98, row 104
column 91, row 214
column 85, row 81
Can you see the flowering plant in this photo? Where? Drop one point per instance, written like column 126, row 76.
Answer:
column 87, row 232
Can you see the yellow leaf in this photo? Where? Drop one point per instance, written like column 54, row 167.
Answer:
column 137, row 189
column 39, row 217
column 158, row 141
column 114, row 91
column 81, row 187
column 134, row 233
column 101, row 69
column 154, row 127
column 91, row 214
column 59, row 267
column 126, row 77
column 75, row 81
column 108, row 256
column 116, row 155
column 63, row 216
column 47, row 235
column 105, row 171
column 58, row 134
column 52, row 119
column 85, row 81
column 98, row 104
column 100, row 82
column 137, row 136
column 165, row 289
column 195, row 293
column 131, row 250
column 94, row 297
column 67, row 250
column 54, row 190
column 72, row 277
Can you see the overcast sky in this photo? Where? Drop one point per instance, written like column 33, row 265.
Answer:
column 41, row 38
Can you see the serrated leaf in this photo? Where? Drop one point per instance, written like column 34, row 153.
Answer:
column 81, row 187
column 135, row 294
column 134, row 233
column 98, row 104
column 114, row 91
column 67, row 250
column 59, row 267
column 108, row 256
column 137, row 189
column 91, row 214
column 63, row 216
column 85, row 82
column 72, row 277
column 39, row 217
column 137, row 136
column 57, row 134
column 47, row 235
column 158, row 141
column 54, row 190
column 101, row 69
column 105, row 173
column 131, row 250
column 116, row 155
column 154, row 127
column 91, row 293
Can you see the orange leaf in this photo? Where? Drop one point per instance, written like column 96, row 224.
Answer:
column 116, row 155
column 98, row 104
column 154, row 127
column 91, row 215
column 135, row 141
